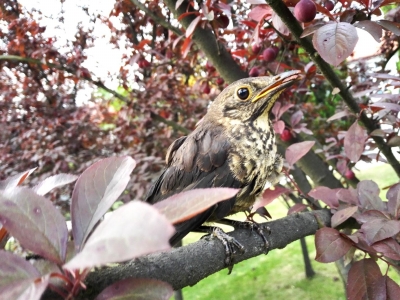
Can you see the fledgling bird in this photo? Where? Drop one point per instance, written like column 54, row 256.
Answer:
column 233, row 146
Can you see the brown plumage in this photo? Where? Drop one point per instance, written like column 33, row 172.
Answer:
column 233, row 146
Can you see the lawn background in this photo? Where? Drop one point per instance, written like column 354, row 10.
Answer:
column 280, row 274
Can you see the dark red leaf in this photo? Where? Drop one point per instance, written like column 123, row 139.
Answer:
column 368, row 195
column 112, row 241
column 98, row 187
column 296, row 151
column 348, row 195
column 342, row 215
column 137, row 288
column 259, row 12
column 269, row 196
column 325, row 194
column 364, row 281
column 388, row 247
column 330, row 245
column 392, row 289
column 187, row 43
column 354, row 142
column 298, row 207
column 185, row 205
column 380, row 229
column 34, row 222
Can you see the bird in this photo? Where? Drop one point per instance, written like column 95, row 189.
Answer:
column 232, row 146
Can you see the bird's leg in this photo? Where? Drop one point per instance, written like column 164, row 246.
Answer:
column 228, row 241
column 253, row 225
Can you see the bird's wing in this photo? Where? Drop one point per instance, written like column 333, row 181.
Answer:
column 197, row 161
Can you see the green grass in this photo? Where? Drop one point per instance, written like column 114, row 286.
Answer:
column 280, row 274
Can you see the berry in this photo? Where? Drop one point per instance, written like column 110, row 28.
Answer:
column 222, row 21
column 220, row 81
column 305, row 11
column 254, row 72
column 286, row 135
column 329, row 5
column 256, row 48
column 349, row 174
column 209, row 67
column 269, row 54
column 143, row 64
column 206, row 88
column 276, row 49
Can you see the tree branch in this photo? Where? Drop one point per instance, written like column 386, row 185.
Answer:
column 205, row 39
column 287, row 17
column 188, row 265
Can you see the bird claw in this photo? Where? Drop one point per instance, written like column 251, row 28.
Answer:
column 258, row 228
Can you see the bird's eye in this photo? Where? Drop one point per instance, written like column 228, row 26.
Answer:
column 243, row 93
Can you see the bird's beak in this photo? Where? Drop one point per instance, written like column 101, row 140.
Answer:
column 278, row 83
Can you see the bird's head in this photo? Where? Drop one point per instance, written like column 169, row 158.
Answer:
column 248, row 99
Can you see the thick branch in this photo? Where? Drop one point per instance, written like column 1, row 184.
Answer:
column 287, row 17
column 205, row 39
column 188, row 265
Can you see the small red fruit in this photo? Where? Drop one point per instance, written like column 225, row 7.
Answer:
column 349, row 174
column 286, row 135
column 206, row 88
column 256, row 48
column 210, row 68
column 329, row 5
column 276, row 49
column 305, row 11
column 143, row 64
column 254, row 72
column 269, row 54
column 220, row 81
column 223, row 21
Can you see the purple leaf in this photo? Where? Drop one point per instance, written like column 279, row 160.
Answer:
column 348, row 195
column 330, row 245
column 380, row 229
column 132, row 230
column 296, row 118
column 335, row 41
column 354, row 142
column 35, row 289
column 338, row 115
column 372, row 28
column 279, row 126
column 14, row 268
column 363, row 281
column 296, row 151
column 387, row 105
column 191, row 28
column 370, row 215
column 18, row 278
column 298, row 207
column 311, row 29
column 53, row 182
column 392, row 288
column 326, row 195
column 342, row 215
column 34, row 222
column 185, row 205
column 137, row 288
column 259, row 12
column 393, row 196
column 368, row 195
column 15, row 180
column 98, row 187
column 389, row 248
column 269, row 196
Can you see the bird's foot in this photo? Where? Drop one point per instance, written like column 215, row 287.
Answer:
column 253, row 226
column 230, row 243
